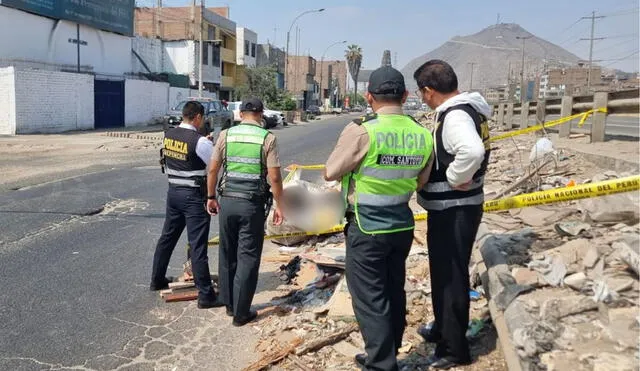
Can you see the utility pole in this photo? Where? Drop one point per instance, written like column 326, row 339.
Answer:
column 522, row 96
column 201, row 52
column 591, row 39
column 471, row 83
column 159, row 24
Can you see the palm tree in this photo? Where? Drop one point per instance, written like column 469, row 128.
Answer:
column 354, row 60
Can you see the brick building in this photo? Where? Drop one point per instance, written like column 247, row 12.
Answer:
column 332, row 79
column 179, row 27
column 301, row 81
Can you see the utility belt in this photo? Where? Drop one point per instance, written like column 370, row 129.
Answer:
column 266, row 198
column 198, row 182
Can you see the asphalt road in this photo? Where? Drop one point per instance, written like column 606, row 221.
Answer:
column 75, row 261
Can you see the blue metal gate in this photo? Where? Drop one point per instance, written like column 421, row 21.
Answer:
column 108, row 104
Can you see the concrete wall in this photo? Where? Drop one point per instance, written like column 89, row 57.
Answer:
column 151, row 52
column 145, row 102
column 49, row 101
column 7, row 101
column 45, row 42
column 243, row 34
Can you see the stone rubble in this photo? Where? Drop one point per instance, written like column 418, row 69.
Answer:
column 575, row 265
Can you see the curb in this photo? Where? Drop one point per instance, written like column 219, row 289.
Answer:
column 492, row 280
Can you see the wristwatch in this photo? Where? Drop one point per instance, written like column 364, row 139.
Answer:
column 211, row 197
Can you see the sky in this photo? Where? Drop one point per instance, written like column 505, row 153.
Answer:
column 410, row 28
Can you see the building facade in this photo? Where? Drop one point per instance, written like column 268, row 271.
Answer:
column 333, row 82
column 301, row 81
column 179, row 28
column 46, row 43
column 271, row 56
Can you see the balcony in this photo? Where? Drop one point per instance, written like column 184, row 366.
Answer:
column 228, row 55
column 228, row 82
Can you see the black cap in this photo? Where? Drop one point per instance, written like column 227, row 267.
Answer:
column 252, row 104
column 386, row 81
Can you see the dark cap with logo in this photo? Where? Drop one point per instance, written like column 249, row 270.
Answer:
column 252, row 105
column 386, row 81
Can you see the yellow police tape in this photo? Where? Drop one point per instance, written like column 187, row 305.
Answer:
column 583, row 117
column 607, row 187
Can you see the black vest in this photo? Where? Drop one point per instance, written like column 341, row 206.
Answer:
column 183, row 166
column 437, row 189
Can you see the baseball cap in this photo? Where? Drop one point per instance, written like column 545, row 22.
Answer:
column 386, row 81
column 252, row 104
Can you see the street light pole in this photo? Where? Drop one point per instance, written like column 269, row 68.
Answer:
column 286, row 60
column 322, row 68
column 523, row 38
column 201, row 52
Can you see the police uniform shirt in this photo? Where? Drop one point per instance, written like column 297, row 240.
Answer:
column 269, row 149
column 204, row 148
column 352, row 147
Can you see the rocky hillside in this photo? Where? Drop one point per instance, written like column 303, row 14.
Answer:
column 497, row 53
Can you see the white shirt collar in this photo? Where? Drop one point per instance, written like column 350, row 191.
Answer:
column 185, row 125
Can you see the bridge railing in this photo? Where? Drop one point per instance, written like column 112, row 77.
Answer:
column 509, row 115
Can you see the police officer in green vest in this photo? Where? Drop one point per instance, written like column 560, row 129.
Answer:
column 248, row 157
column 382, row 159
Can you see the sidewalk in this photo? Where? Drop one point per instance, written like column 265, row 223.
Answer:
column 618, row 155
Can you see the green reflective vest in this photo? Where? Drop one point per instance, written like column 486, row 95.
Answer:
column 398, row 150
column 243, row 166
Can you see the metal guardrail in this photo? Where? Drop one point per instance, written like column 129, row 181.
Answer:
column 619, row 102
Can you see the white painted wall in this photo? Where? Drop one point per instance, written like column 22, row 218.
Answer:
column 27, row 39
column 145, row 102
column 150, row 50
column 242, row 34
column 7, row 101
column 51, row 101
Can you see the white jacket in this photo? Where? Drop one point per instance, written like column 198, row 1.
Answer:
column 460, row 138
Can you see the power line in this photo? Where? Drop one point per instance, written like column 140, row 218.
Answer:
column 623, row 12
column 622, row 59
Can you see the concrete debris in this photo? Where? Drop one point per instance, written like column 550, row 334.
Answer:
column 617, row 362
column 576, row 281
column 557, row 308
column 572, row 228
column 346, row 349
column 591, row 257
column 616, row 208
column 552, row 269
column 525, row 276
column 631, row 256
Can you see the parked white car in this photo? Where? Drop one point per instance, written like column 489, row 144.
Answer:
column 272, row 118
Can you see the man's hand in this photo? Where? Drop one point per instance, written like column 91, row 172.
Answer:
column 213, row 207
column 278, row 216
column 463, row 186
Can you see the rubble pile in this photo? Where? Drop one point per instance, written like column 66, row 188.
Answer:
column 570, row 292
column 567, row 283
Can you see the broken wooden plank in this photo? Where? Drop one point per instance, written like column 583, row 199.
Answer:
column 185, row 295
column 274, row 357
column 181, row 285
column 330, row 339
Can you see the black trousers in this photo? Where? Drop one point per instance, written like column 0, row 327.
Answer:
column 185, row 207
column 450, row 237
column 375, row 269
column 241, row 241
